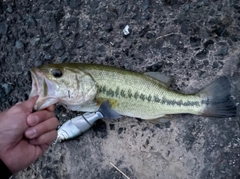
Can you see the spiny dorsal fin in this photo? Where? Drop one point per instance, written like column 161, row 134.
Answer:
column 160, row 77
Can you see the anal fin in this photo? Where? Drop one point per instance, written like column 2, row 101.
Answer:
column 90, row 107
column 161, row 120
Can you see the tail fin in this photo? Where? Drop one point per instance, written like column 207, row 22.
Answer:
column 107, row 112
column 217, row 98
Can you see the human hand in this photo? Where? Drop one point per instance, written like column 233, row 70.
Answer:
column 25, row 135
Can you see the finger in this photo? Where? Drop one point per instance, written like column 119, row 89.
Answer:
column 44, row 147
column 40, row 150
column 41, row 128
column 38, row 117
column 29, row 104
column 51, row 108
column 47, row 138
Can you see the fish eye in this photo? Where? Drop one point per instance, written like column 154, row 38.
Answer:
column 57, row 73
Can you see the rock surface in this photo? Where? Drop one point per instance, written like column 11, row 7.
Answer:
column 193, row 42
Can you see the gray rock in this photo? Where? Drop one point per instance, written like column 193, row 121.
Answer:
column 35, row 41
column 46, row 46
column 37, row 62
column 7, row 88
column 85, row 25
column 80, row 44
column 48, row 56
column 19, row 45
column 74, row 4
column 9, row 9
column 202, row 54
column 4, row 38
column 222, row 50
column 145, row 5
column 58, row 44
column 108, row 27
column 54, row 24
column 31, row 21
column 215, row 64
column 48, row 172
column 71, row 20
column 3, row 28
column 123, row 9
column 195, row 41
column 63, row 58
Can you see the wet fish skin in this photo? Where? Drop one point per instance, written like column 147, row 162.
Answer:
column 83, row 87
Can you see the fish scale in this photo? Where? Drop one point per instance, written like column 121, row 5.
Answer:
column 141, row 96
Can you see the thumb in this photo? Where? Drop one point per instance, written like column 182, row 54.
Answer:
column 29, row 104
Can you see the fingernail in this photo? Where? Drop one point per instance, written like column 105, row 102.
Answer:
column 31, row 133
column 34, row 120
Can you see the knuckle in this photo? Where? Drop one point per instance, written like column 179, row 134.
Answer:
column 42, row 138
column 53, row 122
column 56, row 121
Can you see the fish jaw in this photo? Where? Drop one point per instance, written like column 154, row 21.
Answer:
column 36, row 79
column 43, row 88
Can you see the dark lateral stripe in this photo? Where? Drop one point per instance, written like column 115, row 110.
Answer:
column 117, row 91
column 205, row 102
column 136, row 95
column 130, row 93
column 110, row 92
column 179, row 102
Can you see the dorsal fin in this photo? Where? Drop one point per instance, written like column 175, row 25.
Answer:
column 160, row 77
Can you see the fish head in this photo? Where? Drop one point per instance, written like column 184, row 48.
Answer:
column 66, row 84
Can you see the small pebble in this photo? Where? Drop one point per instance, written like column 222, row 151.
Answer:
column 48, row 56
column 58, row 44
column 19, row 44
column 108, row 27
column 35, row 41
column 9, row 9
column 80, row 44
column 46, row 46
column 126, row 30
column 215, row 64
column 145, row 5
column 3, row 28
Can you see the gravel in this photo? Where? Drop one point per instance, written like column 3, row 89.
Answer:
column 193, row 42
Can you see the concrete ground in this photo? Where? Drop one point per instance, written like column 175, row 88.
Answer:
column 193, row 42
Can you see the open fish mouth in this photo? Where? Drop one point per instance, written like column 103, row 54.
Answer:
column 37, row 81
column 42, row 87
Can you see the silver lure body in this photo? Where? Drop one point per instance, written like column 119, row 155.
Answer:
column 78, row 125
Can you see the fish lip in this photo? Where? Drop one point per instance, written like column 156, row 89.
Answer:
column 37, row 79
column 37, row 87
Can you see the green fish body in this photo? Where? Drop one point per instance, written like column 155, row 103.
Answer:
column 83, row 87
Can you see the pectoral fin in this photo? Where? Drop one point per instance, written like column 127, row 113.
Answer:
column 113, row 103
column 107, row 112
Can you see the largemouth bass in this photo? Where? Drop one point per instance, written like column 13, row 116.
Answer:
column 83, row 87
